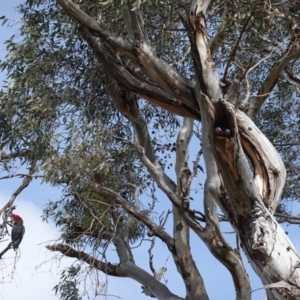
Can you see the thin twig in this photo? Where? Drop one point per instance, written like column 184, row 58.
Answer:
column 233, row 53
column 247, row 81
column 5, row 250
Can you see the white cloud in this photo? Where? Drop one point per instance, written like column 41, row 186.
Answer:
column 32, row 277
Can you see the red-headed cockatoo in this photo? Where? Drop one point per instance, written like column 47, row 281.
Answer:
column 17, row 231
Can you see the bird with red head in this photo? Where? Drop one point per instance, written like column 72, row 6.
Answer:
column 17, row 231
column 16, row 218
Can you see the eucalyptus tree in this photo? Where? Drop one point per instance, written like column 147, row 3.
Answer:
column 96, row 94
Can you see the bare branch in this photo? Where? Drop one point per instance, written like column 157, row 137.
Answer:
column 151, row 256
column 23, row 185
column 134, row 22
column 291, row 74
column 181, row 230
column 124, row 269
column 246, row 100
column 128, row 106
column 21, row 175
column 281, row 218
column 16, row 154
column 78, row 197
column 207, row 80
column 145, row 89
column 221, row 34
column 157, row 231
column 108, row 268
column 158, row 71
column 157, row 175
column 269, row 84
column 5, row 250
column 234, row 50
column 217, row 229
column 82, row 18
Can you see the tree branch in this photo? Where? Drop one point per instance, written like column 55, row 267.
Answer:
column 134, row 23
column 128, row 106
column 292, row 53
column 181, row 232
column 221, row 33
column 204, row 66
column 5, row 250
column 23, row 185
column 108, row 268
column 216, row 242
column 17, row 154
column 130, row 219
column 106, row 235
column 256, row 228
column 124, row 269
column 145, row 89
column 157, row 175
column 74, row 11
column 142, row 55
column 234, row 50
column 291, row 74
column 269, row 170
column 281, row 218
column 139, row 215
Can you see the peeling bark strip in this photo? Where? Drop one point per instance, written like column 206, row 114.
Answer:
column 267, row 187
column 269, row 170
column 265, row 243
column 269, row 173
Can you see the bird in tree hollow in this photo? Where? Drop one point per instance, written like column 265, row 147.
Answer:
column 17, row 231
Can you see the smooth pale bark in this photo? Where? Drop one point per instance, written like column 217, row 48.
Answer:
column 193, row 281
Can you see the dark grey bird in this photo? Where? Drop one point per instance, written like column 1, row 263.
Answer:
column 17, row 231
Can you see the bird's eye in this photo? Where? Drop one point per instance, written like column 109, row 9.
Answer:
column 227, row 132
column 218, row 130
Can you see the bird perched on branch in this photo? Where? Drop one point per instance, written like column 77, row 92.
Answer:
column 17, row 231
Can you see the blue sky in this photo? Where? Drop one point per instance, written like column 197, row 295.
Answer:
column 36, row 272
